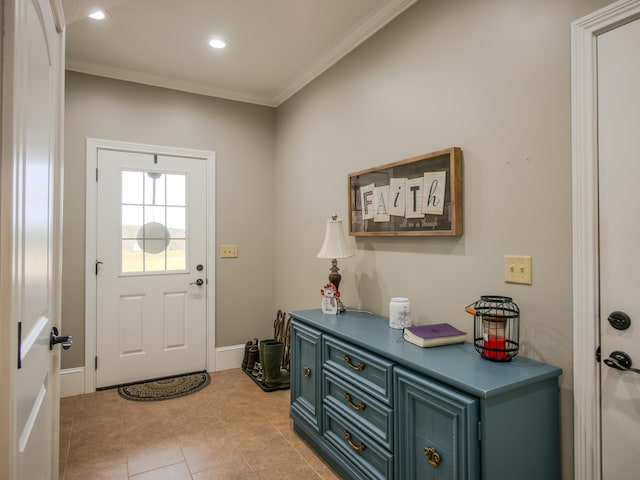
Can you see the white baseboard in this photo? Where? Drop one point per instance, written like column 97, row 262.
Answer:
column 229, row 357
column 72, row 379
column 71, row 382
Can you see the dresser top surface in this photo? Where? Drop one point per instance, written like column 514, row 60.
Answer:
column 458, row 365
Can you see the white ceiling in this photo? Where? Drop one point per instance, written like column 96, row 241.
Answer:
column 275, row 47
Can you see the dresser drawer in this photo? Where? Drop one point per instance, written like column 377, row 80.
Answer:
column 374, row 461
column 371, row 415
column 373, row 374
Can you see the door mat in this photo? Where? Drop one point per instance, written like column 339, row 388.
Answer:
column 165, row 388
column 267, row 387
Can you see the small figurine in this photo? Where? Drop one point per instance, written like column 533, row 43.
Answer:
column 329, row 295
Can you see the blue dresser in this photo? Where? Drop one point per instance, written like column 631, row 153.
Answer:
column 377, row 407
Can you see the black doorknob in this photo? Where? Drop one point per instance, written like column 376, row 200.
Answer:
column 54, row 338
column 198, row 282
column 620, row 361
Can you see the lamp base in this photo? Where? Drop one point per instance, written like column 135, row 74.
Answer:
column 335, row 277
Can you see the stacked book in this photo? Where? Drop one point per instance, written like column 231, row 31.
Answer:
column 433, row 335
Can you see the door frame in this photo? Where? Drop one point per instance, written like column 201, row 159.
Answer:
column 586, row 319
column 93, row 145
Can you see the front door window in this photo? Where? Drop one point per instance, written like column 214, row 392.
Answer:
column 153, row 223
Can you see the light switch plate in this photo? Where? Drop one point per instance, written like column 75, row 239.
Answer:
column 517, row 269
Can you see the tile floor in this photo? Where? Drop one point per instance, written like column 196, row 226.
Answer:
column 229, row 430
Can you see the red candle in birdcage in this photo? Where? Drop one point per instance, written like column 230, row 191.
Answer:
column 496, row 327
column 494, row 338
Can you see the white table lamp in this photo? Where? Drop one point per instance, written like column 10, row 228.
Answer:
column 335, row 246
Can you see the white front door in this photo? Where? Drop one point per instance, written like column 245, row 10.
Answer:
column 618, row 53
column 151, row 267
column 30, row 254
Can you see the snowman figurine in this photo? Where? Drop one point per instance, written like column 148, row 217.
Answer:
column 329, row 295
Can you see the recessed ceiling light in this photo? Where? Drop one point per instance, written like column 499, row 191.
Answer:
column 217, row 42
column 99, row 15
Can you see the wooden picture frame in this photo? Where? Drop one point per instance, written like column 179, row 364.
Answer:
column 418, row 196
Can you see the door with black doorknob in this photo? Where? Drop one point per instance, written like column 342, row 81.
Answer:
column 619, row 230
column 151, row 273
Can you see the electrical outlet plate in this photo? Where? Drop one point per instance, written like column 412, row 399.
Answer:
column 517, row 269
column 228, row 251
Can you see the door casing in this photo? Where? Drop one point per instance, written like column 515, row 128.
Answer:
column 586, row 333
column 93, row 145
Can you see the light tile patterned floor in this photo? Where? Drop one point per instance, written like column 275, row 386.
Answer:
column 230, row 430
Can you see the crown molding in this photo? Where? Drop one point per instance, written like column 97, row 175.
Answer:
column 365, row 29
column 164, row 82
column 361, row 32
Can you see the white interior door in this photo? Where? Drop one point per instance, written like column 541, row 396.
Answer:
column 150, row 266
column 30, row 221
column 618, row 53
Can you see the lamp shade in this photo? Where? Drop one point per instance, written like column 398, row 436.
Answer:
column 335, row 242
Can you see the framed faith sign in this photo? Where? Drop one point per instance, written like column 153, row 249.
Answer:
column 418, row 196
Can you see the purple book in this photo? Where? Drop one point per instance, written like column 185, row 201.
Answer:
column 434, row 334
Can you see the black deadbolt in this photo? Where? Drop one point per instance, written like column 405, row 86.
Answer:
column 619, row 320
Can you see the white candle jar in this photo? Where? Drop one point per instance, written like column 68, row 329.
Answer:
column 399, row 312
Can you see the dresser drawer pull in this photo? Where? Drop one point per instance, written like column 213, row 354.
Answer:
column 358, row 448
column 306, row 371
column 357, row 368
column 433, row 457
column 361, row 406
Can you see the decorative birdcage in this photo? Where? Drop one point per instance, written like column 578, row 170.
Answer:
column 496, row 327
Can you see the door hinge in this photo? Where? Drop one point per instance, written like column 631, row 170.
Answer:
column 19, row 344
column 598, row 354
column 479, row 431
column 98, row 262
column 96, row 174
column 96, row 362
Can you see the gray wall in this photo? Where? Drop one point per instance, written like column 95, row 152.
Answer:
column 242, row 137
column 491, row 77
